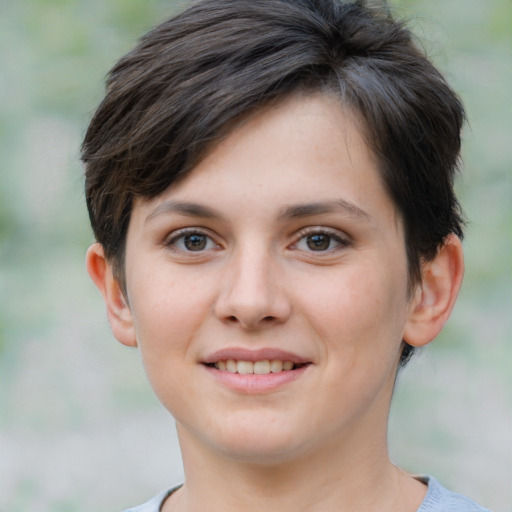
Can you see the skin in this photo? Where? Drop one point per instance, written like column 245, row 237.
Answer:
column 289, row 177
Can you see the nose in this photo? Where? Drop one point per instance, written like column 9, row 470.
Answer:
column 252, row 292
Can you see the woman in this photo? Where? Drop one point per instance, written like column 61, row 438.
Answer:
column 270, row 184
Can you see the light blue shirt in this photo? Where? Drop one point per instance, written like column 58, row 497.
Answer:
column 438, row 499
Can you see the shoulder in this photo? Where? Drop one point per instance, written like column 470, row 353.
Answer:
column 154, row 504
column 440, row 499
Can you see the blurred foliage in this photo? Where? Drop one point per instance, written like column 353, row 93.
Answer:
column 55, row 55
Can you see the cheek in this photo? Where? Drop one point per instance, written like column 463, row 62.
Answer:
column 167, row 312
column 360, row 327
column 361, row 314
column 167, row 317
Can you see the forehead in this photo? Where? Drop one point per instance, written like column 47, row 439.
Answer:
column 304, row 149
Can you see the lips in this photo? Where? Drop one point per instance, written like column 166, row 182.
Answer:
column 264, row 354
column 262, row 362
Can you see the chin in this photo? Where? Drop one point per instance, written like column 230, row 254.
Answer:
column 253, row 451
column 260, row 442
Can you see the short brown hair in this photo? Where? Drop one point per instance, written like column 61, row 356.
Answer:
column 179, row 92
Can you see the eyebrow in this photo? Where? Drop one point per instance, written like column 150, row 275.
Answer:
column 293, row 211
column 318, row 208
column 183, row 208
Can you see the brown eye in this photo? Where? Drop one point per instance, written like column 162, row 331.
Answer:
column 321, row 240
column 195, row 242
column 318, row 242
column 191, row 241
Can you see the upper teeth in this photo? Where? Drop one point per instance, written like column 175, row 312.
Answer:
column 258, row 367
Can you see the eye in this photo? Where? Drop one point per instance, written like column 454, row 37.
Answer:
column 191, row 241
column 320, row 241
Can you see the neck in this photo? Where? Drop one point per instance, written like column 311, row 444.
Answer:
column 346, row 475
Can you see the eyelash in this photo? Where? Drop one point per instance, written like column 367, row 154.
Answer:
column 171, row 242
column 341, row 241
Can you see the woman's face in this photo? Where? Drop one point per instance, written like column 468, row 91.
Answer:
column 281, row 248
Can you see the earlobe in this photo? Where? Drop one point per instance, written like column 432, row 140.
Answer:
column 118, row 311
column 435, row 296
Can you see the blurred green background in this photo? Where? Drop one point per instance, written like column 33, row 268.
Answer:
column 79, row 427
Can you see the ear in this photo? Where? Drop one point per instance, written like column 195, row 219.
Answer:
column 118, row 311
column 435, row 296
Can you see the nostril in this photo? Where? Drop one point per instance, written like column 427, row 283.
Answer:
column 265, row 320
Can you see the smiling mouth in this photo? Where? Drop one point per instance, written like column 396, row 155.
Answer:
column 263, row 367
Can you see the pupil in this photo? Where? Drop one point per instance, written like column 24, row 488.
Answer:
column 195, row 242
column 318, row 242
